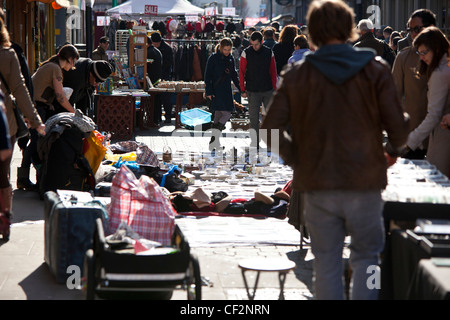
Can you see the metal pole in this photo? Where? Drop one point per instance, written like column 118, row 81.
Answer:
column 88, row 19
column 270, row 10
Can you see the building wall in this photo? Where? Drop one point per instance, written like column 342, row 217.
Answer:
column 394, row 13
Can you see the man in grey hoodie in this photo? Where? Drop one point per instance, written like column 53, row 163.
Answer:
column 332, row 107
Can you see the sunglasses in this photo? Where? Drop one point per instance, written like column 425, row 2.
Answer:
column 415, row 29
column 423, row 53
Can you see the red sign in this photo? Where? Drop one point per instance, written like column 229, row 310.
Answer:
column 151, row 10
column 250, row 22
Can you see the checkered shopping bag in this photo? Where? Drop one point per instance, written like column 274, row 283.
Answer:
column 141, row 204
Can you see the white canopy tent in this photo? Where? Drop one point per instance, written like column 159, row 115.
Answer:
column 163, row 7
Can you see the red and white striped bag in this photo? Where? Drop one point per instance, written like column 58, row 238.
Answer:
column 142, row 205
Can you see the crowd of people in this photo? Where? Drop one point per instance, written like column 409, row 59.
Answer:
column 323, row 86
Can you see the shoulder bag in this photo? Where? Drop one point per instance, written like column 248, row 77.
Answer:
column 22, row 128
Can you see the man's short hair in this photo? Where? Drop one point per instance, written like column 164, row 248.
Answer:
column 427, row 16
column 388, row 30
column 268, row 32
column 330, row 19
column 156, row 37
column 256, row 36
column 301, row 41
column 104, row 39
column 276, row 25
column 365, row 25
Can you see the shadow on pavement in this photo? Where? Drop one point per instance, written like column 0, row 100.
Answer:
column 27, row 206
column 41, row 285
column 304, row 270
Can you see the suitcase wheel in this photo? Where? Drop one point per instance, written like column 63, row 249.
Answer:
column 194, row 286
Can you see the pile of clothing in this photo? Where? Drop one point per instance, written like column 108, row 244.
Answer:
column 275, row 205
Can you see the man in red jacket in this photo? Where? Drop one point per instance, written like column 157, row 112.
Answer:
column 258, row 80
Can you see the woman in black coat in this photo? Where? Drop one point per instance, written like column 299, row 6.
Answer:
column 285, row 47
column 220, row 71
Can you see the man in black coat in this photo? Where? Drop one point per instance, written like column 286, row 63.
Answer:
column 155, row 71
column 167, row 66
column 83, row 80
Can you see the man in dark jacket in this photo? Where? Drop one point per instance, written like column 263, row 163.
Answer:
column 100, row 52
column 83, row 80
column 154, row 68
column 335, row 104
column 167, row 65
column 268, row 34
column 258, row 79
column 368, row 40
column 155, row 72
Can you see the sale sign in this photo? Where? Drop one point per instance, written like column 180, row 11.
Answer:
column 151, row 10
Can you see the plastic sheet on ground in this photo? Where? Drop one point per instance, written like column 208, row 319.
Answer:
column 237, row 231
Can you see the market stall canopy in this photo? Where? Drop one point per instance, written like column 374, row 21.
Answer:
column 167, row 7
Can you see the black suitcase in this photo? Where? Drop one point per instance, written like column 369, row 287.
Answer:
column 69, row 230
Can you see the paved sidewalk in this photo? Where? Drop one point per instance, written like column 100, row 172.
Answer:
column 25, row 276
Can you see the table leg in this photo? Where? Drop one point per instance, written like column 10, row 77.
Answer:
column 151, row 118
column 250, row 296
column 178, row 110
column 282, row 278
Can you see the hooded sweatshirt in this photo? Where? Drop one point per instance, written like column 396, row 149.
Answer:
column 340, row 62
column 298, row 55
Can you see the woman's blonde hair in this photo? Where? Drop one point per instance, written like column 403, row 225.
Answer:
column 330, row 19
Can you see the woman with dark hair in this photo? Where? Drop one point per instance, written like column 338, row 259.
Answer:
column 285, row 47
column 48, row 81
column 220, row 71
column 48, row 87
column 432, row 47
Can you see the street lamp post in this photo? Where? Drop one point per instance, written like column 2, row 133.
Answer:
column 88, row 12
column 270, row 10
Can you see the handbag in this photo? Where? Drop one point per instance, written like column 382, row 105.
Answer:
column 22, row 128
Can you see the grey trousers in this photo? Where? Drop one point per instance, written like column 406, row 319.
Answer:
column 330, row 216
column 255, row 100
column 222, row 116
